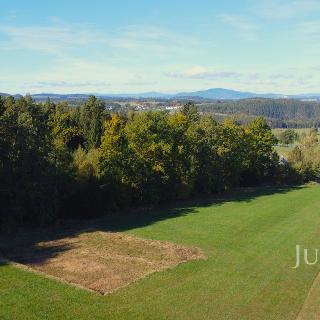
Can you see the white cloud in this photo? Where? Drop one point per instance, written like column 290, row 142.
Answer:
column 140, row 83
column 77, row 74
column 204, row 73
column 61, row 39
column 245, row 28
column 286, row 9
column 200, row 72
column 310, row 29
column 308, row 35
column 52, row 39
column 284, row 81
column 80, row 58
column 154, row 42
column 65, row 84
column 81, row 52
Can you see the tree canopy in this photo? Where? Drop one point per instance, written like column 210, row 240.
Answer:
column 58, row 161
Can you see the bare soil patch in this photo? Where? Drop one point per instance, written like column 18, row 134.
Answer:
column 103, row 261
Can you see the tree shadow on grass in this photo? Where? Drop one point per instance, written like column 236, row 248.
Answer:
column 23, row 246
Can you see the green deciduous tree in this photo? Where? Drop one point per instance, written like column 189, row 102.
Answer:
column 288, row 136
column 58, row 161
column 91, row 122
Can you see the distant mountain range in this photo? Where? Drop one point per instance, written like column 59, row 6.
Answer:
column 213, row 94
column 221, row 94
column 226, row 94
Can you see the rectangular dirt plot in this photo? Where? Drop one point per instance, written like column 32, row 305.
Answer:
column 103, row 261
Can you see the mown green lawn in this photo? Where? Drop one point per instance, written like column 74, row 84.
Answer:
column 249, row 240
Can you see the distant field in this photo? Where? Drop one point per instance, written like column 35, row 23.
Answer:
column 249, row 240
column 283, row 150
column 277, row 131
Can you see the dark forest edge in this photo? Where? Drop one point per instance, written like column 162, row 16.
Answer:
column 279, row 113
column 59, row 162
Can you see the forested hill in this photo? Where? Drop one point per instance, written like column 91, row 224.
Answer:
column 278, row 112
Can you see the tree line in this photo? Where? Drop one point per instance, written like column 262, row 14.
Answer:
column 58, row 161
column 305, row 157
column 279, row 113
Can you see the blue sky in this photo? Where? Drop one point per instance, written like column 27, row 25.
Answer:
column 117, row 46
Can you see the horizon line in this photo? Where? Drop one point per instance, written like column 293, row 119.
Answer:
column 160, row 92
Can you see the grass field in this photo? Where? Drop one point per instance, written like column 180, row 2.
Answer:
column 249, row 240
column 284, row 150
column 277, row 131
column 95, row 260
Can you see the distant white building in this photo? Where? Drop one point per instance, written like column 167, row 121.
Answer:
column 172, row 108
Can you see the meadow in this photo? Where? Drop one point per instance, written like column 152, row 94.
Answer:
column 277, row 131
column 249, row 239
column 284, row 150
